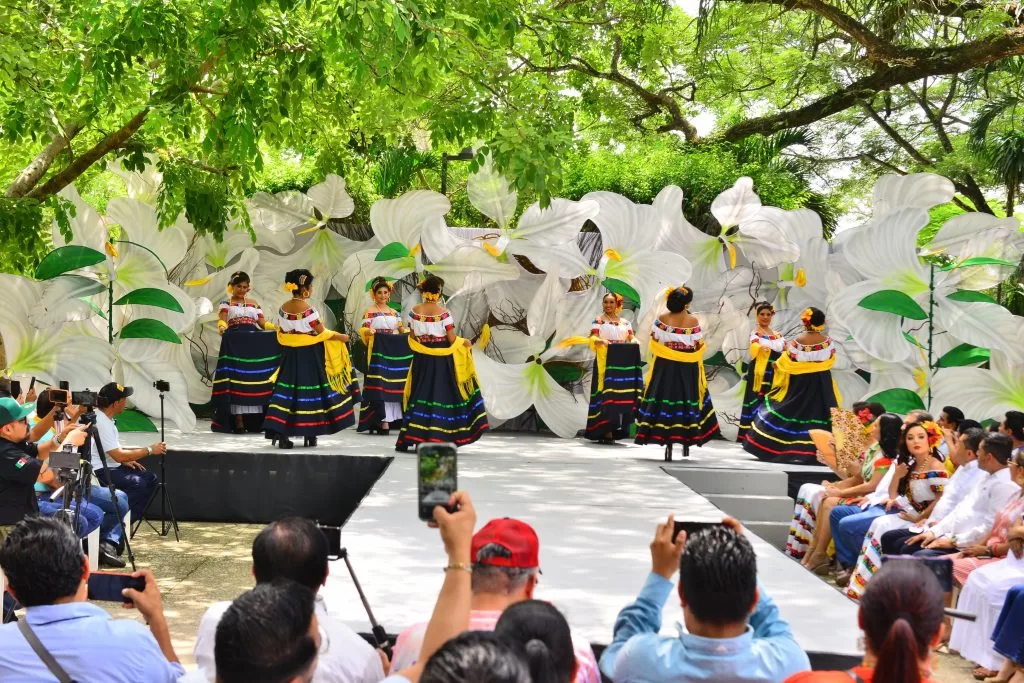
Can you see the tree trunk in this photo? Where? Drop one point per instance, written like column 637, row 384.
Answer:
column 1011, row 192
column 38, row 167
column 82, row 163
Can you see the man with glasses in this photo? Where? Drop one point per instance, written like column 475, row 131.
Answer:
column 21, row 461
column 294, row 548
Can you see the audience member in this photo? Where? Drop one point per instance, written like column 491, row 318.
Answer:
column 269, row 635
column 1013, row 426
column 477, row 657
column 294, row 548
column 1008, row 637
column 47, row 573
column 21, row 462
column 544, row 634
column 949, row 422
column 972, row 518
column 901, row 614
column 506, row 560
column 734, row 631
column 125, row 471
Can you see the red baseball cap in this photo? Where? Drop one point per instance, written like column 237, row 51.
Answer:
column 517, row 537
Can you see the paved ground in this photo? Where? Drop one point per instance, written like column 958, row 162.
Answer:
column 212, row 562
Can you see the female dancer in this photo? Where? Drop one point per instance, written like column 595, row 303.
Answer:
column 314, row 393
column 242, row 382
column 442, row 394
column 801, row 398
column 766, row 345
column 916, row 485
column 616, row 383
column 676, row 406
column 809, row 532
column 387, row 362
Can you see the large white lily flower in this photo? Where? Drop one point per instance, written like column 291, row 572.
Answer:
column 989, row 393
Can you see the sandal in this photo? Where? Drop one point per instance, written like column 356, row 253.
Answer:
column 980, row 673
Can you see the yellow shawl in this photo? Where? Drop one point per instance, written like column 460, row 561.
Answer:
column 761, row 355
column 337, row 363
column 659, row 350
column 784, row 367
column 462, row 355
column 600, row 354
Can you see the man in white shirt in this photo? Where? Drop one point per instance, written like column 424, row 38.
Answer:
column 967, row 476
column 294, row 548
column 973, row 517
column 124, row 470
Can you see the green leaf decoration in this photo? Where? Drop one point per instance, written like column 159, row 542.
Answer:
column 65, row 259
column 892, row 301
column 563, row 372
column 391, row 251
column 900, row 401
column 150, row 296
column 395, row 306
column 623, row 289
column 980, row 261
column 717, row 359
column 965, row 354
column 134, row 421
column 912, row 339
column 147, row 328
column 967, row 296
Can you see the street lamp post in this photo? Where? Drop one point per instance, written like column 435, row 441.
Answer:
column 466, row 154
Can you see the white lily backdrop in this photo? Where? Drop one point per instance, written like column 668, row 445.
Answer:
column 914, row 326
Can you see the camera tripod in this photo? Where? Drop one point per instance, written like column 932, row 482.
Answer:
column 379, row 634
column 167, row 518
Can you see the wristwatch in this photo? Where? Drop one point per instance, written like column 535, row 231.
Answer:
column 149, row 450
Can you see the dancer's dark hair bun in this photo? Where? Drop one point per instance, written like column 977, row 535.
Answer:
column 238, row 277
column 431, row 284
column 762, row 305
column 299, row 277
column 679, row 298
column 379, row 282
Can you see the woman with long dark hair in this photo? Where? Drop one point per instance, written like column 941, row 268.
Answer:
column 676, row 405
column 248, row 358
column 901, row 615
column 543, row 633
column 810, row 532
column 918, row 479
column 617, row 381
column 802, row 396
column 766, row 346
column 314, row 392
column 387, row 362
column 442, row 399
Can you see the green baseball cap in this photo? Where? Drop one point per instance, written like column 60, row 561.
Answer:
column 12, row 411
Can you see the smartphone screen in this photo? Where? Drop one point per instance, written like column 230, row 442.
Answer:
column 941, row 567
column 107, row 586
column 15, row 388
column 59, row 397
column 691, row 528
column 437, row 476
column 333, row 534
column 32, row 384
column 65, row 385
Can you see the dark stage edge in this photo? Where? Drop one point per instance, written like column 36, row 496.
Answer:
column 258, row 487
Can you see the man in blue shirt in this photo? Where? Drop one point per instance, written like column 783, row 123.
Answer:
column 48, row 574
column 719, row 593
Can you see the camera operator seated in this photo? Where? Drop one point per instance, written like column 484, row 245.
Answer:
column 97, row 510
column 21, row 461
column 48, row 574
column 126, row 473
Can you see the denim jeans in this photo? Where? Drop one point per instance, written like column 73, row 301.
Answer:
column 89, row 519
column 110, row 530
column 850, row 525
column 138, row 485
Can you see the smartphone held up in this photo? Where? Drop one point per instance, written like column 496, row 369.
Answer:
column 437, row 477
column 108, row 586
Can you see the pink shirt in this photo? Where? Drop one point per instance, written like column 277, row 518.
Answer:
column 407, row 647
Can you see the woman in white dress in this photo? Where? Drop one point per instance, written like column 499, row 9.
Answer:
column 387, row 362
column 617, row 381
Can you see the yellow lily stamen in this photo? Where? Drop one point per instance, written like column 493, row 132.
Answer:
column 612, row 254
column 200, row 281
column 110, row 249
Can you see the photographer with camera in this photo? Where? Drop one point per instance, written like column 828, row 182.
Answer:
column 21, row 461
column 129, row 476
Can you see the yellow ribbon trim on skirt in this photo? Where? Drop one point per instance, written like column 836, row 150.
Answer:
column 761, row 355
column 465, row 368
column 785, row 366
column 337, row 363
column 600, row 354
column 659, row 350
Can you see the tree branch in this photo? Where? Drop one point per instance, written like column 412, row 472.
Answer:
column 38, row 167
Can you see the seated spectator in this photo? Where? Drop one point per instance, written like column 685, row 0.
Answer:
column 544, row 634
column 918, row 480
column 505, row 557
column 269, row 634
column 949, row 422
column 983, row 595
column 478, row 657
column 1013, row 426
column 294, row 548
column 973, row 518
column 47, row 573
column 129, row 475
column 901, row 614
column 1008, row 637
column 734, row 631
column 21, row 462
